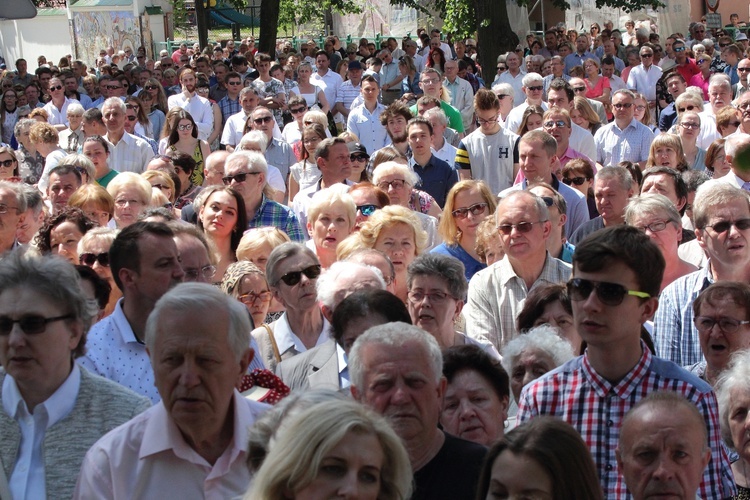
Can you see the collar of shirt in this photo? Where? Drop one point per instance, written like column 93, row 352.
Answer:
column 286, row 339
column 122, row 324
column 57, row 406
column 633, row 123
column 342, row 357
column 162, row 434
column 624, row 387
column 508, row 273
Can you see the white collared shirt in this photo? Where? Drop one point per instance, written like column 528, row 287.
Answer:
column 59, row 116
column 131, row 154
column 330, row 83
column 286, row 338
column 28, row 477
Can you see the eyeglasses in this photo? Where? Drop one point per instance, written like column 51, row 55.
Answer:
column 132, row 118
column 262, row 120
column 150, row 87
column 502, row 96
column 655, row 227
column 431, row 81
column 31, row 324
column 640, row 107
column 579, row 89
column 521, row 227
column 358, row 158
column 112, row 87
column 416, row 296
column 234, row 82
column 705, row 324
column 723, row 45
column 723, row 226
column 610, row 294
column 395, row 184
column 7, row 163
column 482, row 121
column 297, row 111
column 207, row 272
column 183, row 128
column 475, row 209
column 294, row 277
column 536, row 88
column 89, row 259
column 681, row 49
column 686, row 108
column 578, row 181
column 647, row 55
column 367, row 210
column 621, row 105
column 743, row 70
column 57, row 87
column 250, row 298
column 237, row 177
column 5, row 208
column 558, row 124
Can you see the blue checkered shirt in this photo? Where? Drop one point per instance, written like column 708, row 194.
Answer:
column 228, row 108
column 273, row 214
column 631, row 144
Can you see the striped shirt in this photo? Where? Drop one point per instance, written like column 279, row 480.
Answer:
column 581, row 397
column 228, row 108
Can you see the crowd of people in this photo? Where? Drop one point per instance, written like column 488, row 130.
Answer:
column 357, row 271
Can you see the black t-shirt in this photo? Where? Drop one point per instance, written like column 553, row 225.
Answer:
column 453, row 473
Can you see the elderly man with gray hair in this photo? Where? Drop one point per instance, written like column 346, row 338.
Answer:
column 127, row 153
column 396, row 369
column 195, row 439
column 12, row 214
column 533, row 89
column 326, row 365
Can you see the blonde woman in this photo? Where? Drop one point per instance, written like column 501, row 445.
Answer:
column 330, row 219
column 467, row 205
column 131, row 194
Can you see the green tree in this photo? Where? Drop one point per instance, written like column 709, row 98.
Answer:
column 488, row 19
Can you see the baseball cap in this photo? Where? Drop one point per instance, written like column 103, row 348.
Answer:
column 355, row 147
column 355, row 65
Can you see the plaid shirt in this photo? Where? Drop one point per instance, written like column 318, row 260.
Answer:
column 581, row 397
column 228, row 108
column 273, row 214
column 631, row 143
column 675, row 335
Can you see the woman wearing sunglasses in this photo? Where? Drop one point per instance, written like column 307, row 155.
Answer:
column 8, row 164
column 183, row 138
column 368, row 198
column 156, row 104
column 292, row 271
column 579, row 174
column 93, row 251
column 292, row 132
column 468, row 203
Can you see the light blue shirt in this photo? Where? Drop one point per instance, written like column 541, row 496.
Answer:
column 344, row 381
column 28, row 478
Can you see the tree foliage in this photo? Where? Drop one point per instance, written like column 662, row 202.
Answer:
column 297, row 12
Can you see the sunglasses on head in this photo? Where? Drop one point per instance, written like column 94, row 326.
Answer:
column 30, row 324
column 609, row 294
column 294, row 277
column 367, row 210
column 578, row 181
column 89, row 259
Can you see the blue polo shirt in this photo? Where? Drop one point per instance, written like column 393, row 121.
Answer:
column 437, row 178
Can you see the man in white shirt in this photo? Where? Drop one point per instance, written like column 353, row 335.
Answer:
column 644, row 77
column 410, row 47
column 533, row 89
column 440, row 147
column 57, row 107
column 513, row 76
column 127, row 153
column 462, row 95
column 364, row 120
column 198, row 107
column 233, row 129
column 608, row 70
column 326, row 78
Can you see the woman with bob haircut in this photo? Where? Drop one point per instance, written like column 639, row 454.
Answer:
column 549, row 304
column 546, row 455
column 330, row 219
column 298, row 464
column 395, row 231
column 733, row 397
column 8, row 172
column 469, row 202
column 131, row 194
column 583, row 115
column 716, row 160
column 666, row 151
column 95, row 202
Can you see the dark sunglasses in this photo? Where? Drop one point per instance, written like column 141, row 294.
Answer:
column 723, row 226
column 476, row 209
column 131, row 118
column 367, row 210
column 521, row 227
column 7, row 163
column 150, row 87
column 579, row 89
column 535, row 88
column 294, row 277
column 31, row 324
column 609, row 294
column 57, row 87
column 358, row 158
column 265, row 119
column 237, row 178
column 298, row 110
column 88, row 259
column 578, row 181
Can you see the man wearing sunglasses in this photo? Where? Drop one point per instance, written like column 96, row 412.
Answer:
column 625, row 138
column 644, row 77
column 145, row 264
column 57, row 107
column 685, row 65
column 533, row 89
column 496, row 294
column 614, row 289
column 278, row 153
column 537, row 154
column 722, row 227
column 230, row 103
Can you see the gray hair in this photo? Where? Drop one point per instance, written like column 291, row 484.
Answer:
column 250, row 159
column 651, row 204
column 257, row 136
column 249, row 90
column 698, row 46
column 397, row 335
column 74, row 109
column 449, row 269
column 103, row 234
column 79, row 160
column 543, row 338
column 719, row 80
column 202, row 299
column 505, row 88
column 620, row 174
column 439, row 115
column 18, row 193
column 54, row 278
column 690, row 97
column 712, row 195
column 541, row 207
column 326, row 198
column 328, row 285
column 393, row 167
column 626, row 92
column 115, row 102
column 23, row 125
column 734, row 142
column 735, row 376
column 531, row 78
column 33, row 198
column 280, row 254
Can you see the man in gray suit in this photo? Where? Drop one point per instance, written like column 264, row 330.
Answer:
column 325, row 365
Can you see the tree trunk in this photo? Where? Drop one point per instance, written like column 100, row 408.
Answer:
column 269, row 26
column 494, row 35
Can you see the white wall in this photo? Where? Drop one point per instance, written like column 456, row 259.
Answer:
column 30, row 38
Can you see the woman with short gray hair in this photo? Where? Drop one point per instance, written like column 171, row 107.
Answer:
column 733, row 396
